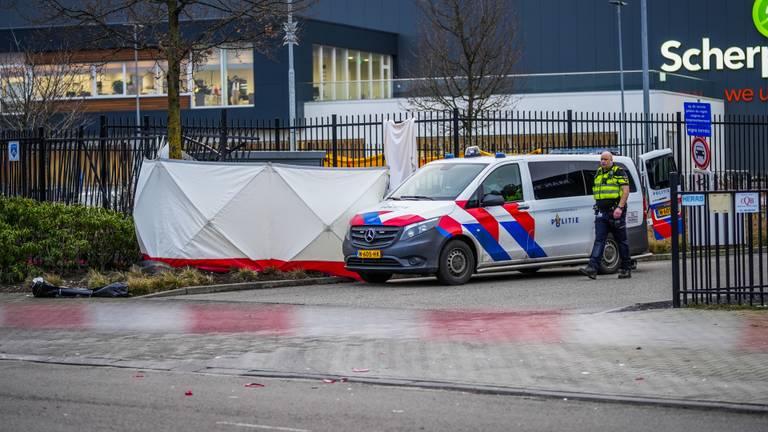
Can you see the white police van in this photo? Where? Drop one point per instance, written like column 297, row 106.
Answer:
column 459, row 216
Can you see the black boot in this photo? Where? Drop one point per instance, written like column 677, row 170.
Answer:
column 625, row 274
column 589, row 272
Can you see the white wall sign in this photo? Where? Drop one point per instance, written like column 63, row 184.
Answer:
column 720, row 203
column 708, row 57
column 747, row 202
column 693, row 200
column 13, row 151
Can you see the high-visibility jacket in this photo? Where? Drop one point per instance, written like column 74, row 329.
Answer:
column 608, row 183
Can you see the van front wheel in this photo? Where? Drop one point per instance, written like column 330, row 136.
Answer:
column 457, row 263
column 611, row 260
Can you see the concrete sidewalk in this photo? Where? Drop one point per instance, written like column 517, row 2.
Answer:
column 672, row 357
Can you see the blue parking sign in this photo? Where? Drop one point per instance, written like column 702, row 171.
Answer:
column 698, row 119
column 13, row 151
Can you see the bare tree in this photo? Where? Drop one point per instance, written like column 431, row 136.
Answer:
column 181, row 31
column 466, row 51
column 41, row 90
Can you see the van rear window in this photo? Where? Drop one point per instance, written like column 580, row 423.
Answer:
column 558, row 179
column 561, row 179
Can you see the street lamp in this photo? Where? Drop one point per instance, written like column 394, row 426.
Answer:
column 619, row 4
column 291, row 39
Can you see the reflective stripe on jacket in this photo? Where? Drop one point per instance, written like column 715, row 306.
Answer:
column 608, row 183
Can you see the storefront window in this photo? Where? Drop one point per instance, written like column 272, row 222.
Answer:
column 109, row 80
column 239, row 76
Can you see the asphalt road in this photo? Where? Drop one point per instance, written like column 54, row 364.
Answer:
column 45, row 397
column 559, row 289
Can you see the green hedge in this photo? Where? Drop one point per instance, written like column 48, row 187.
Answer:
column 50, row 237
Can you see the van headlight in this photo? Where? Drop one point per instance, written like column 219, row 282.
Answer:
column 417, row 228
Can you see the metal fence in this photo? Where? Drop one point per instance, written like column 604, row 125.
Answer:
column 719, row 240
column 100, row 166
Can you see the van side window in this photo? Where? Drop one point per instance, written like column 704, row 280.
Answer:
column 590, row 169
column 658, row 171
column 504, row 181
column 557, row 179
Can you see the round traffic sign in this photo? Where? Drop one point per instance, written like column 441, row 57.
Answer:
column 700, row 153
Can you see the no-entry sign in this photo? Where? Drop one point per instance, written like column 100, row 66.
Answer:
column 700, row 153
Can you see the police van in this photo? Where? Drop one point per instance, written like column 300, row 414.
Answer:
column 459, row 216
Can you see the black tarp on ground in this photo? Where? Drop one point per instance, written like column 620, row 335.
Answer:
column 41, row 288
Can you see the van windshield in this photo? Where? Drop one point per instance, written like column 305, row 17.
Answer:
column 438, row 182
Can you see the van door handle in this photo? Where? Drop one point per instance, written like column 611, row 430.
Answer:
column 523, row 207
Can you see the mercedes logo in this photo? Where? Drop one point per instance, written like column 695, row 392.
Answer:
column 370, row 235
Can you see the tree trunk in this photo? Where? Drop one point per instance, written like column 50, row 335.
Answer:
column 174, row 56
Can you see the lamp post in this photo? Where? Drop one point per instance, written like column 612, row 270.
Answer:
column 291, row 39
column 646, row 78
column 619, row 4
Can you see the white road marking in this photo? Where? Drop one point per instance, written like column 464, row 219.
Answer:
column 255, row 426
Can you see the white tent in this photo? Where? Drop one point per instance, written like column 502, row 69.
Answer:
column 219, row 215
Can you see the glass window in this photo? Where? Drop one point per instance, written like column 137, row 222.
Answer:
column 589, row 169
column 378, row 88
column 341, row 74
column 658, row 171
column 365, row 75
column 438, row 181
column 353, row 73
column 207, row 80
column 557, row 179
column 316, row 62
column 504, row 181
column 326, row 70
column 109, row 80
column 149, row 80
column 239, row 76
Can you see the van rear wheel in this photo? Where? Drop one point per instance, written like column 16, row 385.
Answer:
column 611, row 260
column 457, row 263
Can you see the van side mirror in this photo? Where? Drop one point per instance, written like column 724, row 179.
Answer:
column 490, row 200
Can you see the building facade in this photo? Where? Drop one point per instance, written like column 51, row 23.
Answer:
column 355, row 57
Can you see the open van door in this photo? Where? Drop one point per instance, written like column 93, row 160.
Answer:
column 655, row 168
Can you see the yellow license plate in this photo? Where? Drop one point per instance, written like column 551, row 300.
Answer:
column 369, row 254
column 664, row 211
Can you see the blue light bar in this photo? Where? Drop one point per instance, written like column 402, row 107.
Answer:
column 500, row 155
column 449, row 156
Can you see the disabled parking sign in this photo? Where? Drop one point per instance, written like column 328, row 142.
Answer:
column 13, row 151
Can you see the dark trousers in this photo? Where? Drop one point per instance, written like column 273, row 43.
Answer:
column 604, row 224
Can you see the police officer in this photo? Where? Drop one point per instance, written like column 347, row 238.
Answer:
column 611, row 190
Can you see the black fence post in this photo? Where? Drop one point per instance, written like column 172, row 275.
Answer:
column 277, row 134
column 103, row 135
column 78, row 182
column 223, row 138
column 569, row 126
column 334, row 140
column 674, row 220
column 456, row 132
column 679, row 127
column 42, row 187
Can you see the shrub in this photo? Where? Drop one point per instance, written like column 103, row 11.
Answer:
column 51, row 237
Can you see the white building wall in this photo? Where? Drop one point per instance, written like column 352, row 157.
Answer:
column 602, row 102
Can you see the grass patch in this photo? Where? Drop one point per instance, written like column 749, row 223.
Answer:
column 140, row 283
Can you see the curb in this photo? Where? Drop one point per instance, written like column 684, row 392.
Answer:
column 738, row 407
column 243, row 286
column 657, row 257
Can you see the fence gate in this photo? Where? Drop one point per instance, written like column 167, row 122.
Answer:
column 719, row 239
